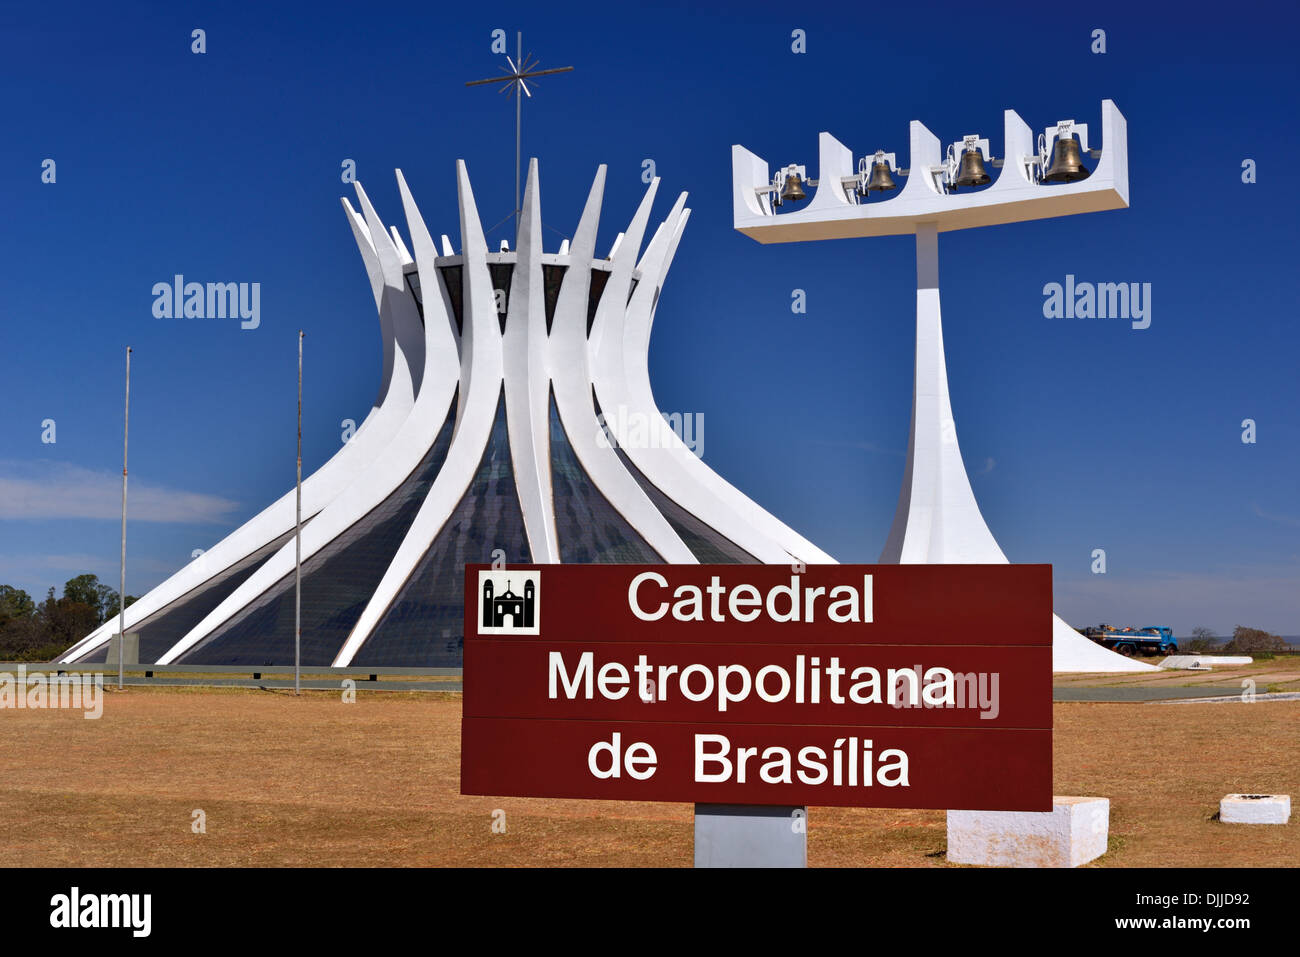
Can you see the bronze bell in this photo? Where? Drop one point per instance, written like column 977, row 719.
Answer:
column 1067, row 162
column 880, row 179
column 793, row 190
column 971, row 172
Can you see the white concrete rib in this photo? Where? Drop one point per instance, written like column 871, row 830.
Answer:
column 527, row 382
column 387, row 467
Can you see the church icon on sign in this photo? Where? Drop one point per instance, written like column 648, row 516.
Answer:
column 498, row 609
column 504, row 611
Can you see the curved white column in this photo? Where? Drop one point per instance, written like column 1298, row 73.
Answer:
column 387, row 467
column 527, row 382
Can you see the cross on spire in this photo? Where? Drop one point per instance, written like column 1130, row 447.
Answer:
column 522, row 69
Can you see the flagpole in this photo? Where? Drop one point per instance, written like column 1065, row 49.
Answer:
column 121, row 592
column 519, row 107
column 297, row 543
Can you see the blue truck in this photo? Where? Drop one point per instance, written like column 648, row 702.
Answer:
column 1151, row 640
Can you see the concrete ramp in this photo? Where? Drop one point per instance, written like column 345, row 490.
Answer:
column 1073, row 652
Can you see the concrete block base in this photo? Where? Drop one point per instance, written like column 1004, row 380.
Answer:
column 1203, row 662
column 1255, row 809
column 1074, row 832
column 130, row 650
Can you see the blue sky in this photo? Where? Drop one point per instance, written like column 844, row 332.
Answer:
column 1079, row 434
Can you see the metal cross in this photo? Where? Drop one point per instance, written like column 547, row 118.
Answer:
column 516, row 80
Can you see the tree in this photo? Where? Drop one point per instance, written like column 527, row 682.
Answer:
column 110, row 604
column 1253, row 640
column 40, row 632
column 15, row 603
column 17, row 621
column 1203, row 640
column 87, row 590
column 70, row 618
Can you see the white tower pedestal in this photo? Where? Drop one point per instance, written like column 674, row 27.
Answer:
column 938, row 520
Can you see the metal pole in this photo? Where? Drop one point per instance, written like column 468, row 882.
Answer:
column 121, row 591
column 297, row 543
column 519, row 106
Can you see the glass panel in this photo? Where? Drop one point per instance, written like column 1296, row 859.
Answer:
column 413, row 283
column 502, row 274
column 337, row 583
column 598, row 280
column 589, row 529
column 97, row 657
column 424, row 626
column 552, row 276
column 451, row 278
column 706, row 543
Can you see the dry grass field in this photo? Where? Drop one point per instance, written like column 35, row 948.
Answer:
column 312, row 781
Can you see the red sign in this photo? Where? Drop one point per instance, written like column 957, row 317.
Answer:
column 857, row 685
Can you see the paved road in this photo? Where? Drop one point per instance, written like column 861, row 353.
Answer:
column 1076, row 693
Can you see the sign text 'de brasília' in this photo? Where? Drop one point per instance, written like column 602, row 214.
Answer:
column 924, row 686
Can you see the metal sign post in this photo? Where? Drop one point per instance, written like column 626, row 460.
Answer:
column 297, row 543
column 121, row 591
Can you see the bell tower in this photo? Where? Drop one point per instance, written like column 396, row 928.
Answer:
column 937, row 519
